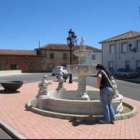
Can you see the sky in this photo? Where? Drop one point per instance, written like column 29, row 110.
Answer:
column 25, row 23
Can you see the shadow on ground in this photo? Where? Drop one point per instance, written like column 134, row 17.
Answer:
column 8, row 92
column 83, row 122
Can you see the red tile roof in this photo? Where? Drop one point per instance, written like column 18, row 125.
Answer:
column 64, row 47
column 127, row 35
column 17, row 52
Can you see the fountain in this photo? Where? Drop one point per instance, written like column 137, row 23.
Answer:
column 72, row 103
column 82, row 71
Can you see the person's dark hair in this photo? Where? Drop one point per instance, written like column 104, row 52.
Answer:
column 99, row 66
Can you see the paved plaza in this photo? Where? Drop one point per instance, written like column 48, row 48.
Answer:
column 25, row 124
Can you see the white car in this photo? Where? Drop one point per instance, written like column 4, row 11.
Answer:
column 59, row 69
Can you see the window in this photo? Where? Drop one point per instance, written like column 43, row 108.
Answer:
column 31, row 60
column 45, row 54
column 112, row 48
column 51, row 55
column 65, row 56
column 50, row 66
column 138, row 65
column 138, row 46
column 124, row 48
column 4, row 61
column 127, row 64
column 74, row 57
column 13, row 66
column 93, row 57
column 31, row 67
column 38, row 52
column 110, row 66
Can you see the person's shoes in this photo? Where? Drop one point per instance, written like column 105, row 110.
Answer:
column 112, row 122
column 102, row 122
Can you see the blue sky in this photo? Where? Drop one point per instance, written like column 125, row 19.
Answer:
column 24, row 22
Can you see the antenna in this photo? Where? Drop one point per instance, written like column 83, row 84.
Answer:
column 39, row 43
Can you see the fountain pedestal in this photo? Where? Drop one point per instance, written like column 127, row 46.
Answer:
column 82, row 70
column 82, row 94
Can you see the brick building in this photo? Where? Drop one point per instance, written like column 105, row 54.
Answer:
column 27, row 61
column 42, row 59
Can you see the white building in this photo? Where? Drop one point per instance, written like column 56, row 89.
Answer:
column 122, row 51
column 95, row 58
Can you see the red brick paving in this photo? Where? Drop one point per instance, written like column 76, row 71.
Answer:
column 34, row 126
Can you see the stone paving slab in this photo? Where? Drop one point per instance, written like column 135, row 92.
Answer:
column 34, row 126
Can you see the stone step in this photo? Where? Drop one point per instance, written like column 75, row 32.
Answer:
column 9, row 72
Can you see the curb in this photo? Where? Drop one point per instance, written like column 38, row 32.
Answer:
column 11, row 131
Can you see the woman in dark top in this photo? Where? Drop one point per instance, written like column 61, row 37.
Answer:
column 105, row 94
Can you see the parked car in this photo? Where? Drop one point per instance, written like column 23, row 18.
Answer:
column 60, row 69
column 126, row 73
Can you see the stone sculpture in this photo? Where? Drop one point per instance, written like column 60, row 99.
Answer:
column 61, row 81
column 43, row 87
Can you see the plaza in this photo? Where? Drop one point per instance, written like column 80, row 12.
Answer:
column 24, row 124
column 37, row 36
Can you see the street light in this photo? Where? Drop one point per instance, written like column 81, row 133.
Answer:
column 71, row 40
column 131, row 48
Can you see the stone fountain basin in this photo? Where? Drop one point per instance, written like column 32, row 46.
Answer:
column 64, row 102
column 12, row 85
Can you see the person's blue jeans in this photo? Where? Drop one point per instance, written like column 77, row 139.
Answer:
column 106, row 100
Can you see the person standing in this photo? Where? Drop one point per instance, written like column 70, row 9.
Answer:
column 105, row 95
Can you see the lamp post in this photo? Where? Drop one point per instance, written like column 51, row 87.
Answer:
column 71, row 40
column 132, row 49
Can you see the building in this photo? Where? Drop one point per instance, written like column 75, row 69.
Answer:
column 43, row 59
column 122, row 51
column 95, row 58
column 59, row 54
column 24, row 60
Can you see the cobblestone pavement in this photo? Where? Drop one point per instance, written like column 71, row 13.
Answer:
column 29, row 125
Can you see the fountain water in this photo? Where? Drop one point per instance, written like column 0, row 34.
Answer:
column 73, row 102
